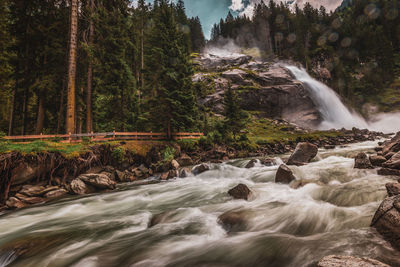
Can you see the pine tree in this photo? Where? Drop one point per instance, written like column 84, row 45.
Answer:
column 235, row 117
column 174, row 106
column 6, row 69
column 115, row 86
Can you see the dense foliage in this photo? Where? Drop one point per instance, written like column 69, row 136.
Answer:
column 358, row 43
column 133, row 65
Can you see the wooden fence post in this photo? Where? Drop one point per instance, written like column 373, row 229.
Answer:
column 69, row 138
column 114, row 135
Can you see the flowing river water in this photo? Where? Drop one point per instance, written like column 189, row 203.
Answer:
column 285, row 227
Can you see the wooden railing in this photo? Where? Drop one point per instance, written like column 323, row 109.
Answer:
column 101, row 137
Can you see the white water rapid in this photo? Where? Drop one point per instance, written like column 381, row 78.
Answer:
column 335, row 114
column 285, row 227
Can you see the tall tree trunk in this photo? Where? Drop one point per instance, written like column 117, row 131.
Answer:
column 141, row 58
column 70, row 117
column 61, row 108
column 25, row 110
column 80, row 115
column 40, row 114
column 12, row 109
column 89, row 116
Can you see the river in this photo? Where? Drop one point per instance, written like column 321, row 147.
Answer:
column 286, row 227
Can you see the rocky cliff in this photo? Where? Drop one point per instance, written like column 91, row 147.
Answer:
column 266, row 88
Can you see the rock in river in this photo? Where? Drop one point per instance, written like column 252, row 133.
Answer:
column 349, row 261
column 387, row 220
column 200, row 169
column 284, row 175
column 362, row 161
column 240, row 191
column 303, row 154
column 393, row 189
column 233, row 220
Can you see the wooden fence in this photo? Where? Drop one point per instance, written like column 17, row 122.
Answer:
column 101, row 137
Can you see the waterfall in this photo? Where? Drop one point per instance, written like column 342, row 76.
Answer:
column 335, row 114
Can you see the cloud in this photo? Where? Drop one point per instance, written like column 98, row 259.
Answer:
column 246, row 7
column 237, row 5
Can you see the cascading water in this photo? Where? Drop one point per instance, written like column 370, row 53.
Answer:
column 335, row 114
column 284, row 226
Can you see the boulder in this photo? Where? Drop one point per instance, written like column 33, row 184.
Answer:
column 184, row 173
column 184, row 160
column 200, row 169
column 56, row 193
column 32, row 190
column 15, row 203
column 80, row 188
column 29, row 200
column 303, row 154
column 393, row 189
column 99, row 181
column 328, row 147
column 387, row 220
column 120, row 176
column 389, row 155
column 233, row 220
column 23, row 173
column 169, row 175
column 284, row 175
column 159, row 218
column 362, row 161
column 392, row 145
column 349, row 261
column 388, row 172
column 377, row 160
column 251, row 164
column 393, row 162
column 240, row 191
column 174, row 165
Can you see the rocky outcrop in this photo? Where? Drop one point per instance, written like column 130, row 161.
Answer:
column 240, row 191
column 80, row 188
column 284, row 175
column 349, row 261
column 393, row 162
column 34, row 194
column 98, row 181
column 266, row 87
column 362, row 161
column 389, row 156
column 387, row 220
column 303, row 154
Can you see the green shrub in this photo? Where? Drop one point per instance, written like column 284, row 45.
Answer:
column 168, row 154
column 118, row 154
column 188, row 144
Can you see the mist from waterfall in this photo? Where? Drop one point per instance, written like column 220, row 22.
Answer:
column 335, row 114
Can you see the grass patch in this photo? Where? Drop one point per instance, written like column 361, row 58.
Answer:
column 263, row 131
column 68, row 150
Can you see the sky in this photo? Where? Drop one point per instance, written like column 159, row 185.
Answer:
column 211, row 11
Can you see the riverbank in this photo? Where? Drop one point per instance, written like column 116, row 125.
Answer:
column 283, row 226
column 37, row 173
